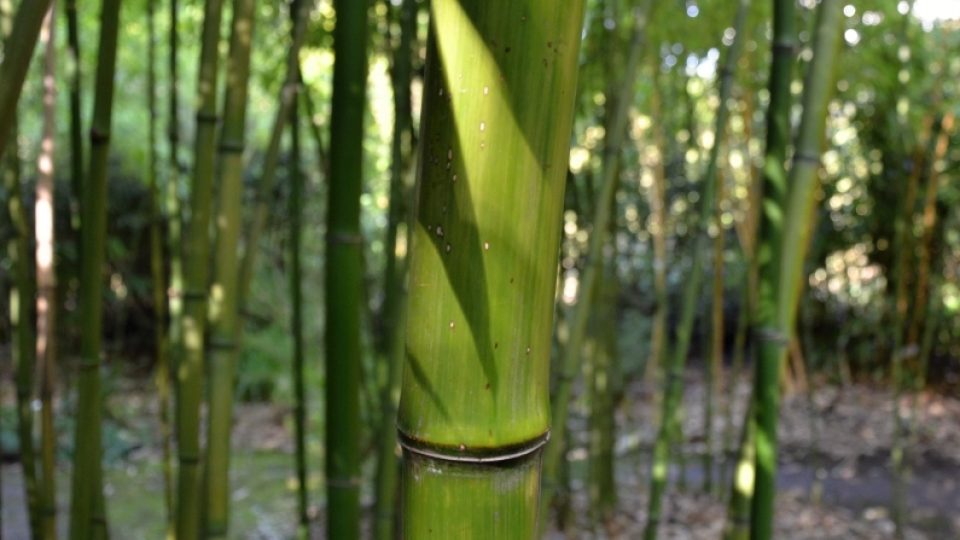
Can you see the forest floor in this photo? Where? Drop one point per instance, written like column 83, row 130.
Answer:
column 840, row 437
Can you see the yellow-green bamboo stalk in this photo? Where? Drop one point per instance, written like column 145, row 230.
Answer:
column 196, row 271
column 474, row 409
column 87, row 511
column 225, row 319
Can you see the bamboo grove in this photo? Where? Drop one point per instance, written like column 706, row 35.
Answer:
column 479, row 269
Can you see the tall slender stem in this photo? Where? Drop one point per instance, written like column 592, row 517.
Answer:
column 88, row 512
column 46, row 282
column 196, row 271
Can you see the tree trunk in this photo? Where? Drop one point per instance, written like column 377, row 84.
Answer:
column 474, row 410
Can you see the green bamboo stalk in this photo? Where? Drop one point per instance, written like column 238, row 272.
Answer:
column 87, row 511
column 781, row 267
column 46, row 276
column 344, row 270
column 602, row 388
column 288, row 94
column 474, row 408
column 225, row 319
column 715, row 362
column 24, row 352
column 18, row 52
column 295, row 209
column 174, row 309
column 737, row 525
column 9, row 171
column 623, row 91
column 395, row 272
column 903, row 248
column 196, row 273
column 158, row 279
column 76, row 116
column 673, row 393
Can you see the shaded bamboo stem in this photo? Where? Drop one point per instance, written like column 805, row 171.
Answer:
column 225, row 319
column 395, row 272
column 196, row 271
column 344, row 270
column 17, row 54
column 88, row 508
column 74, row 72
column 174, row 307
column 22, row 304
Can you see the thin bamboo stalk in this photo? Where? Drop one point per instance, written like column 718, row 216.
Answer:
column 396, row 269
column 17, row 54
column 295, row 209
column 781, row 267
column 715, row 362
column 474, row 408
column 87, row 511
column 46, row 309
column 673, row 393
column 24, row 352
column 602, row 217
column 288, row 93
column 225, row 318
column 344, row 271
column 174, row 307
column 196, row 273
column 74, row 72
column 158, row 279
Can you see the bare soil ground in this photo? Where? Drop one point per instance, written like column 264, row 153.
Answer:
column 840, row 437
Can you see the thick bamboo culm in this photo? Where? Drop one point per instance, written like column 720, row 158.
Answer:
column 88, row 508
column 474, row 409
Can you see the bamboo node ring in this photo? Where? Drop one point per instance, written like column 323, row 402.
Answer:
column 467, row 455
